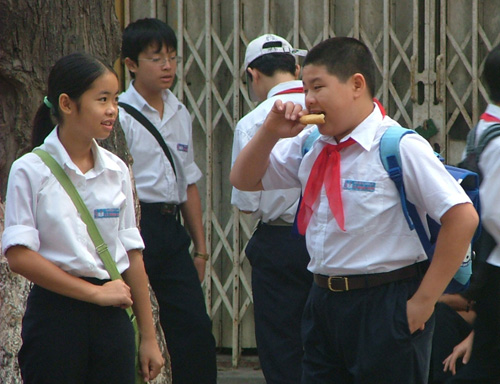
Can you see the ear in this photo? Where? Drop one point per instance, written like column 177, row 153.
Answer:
column 66, row 105
column 255, row 74
column 358, row 84
column 131, row 64
column 297, row 71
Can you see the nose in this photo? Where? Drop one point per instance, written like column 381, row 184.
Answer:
column 167, row 64
column 112, row 109
column 309, row 100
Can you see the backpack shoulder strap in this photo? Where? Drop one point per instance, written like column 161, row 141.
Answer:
column 136, row 114
column 489, row 134
column 473, row 151
column 306, row 146
column 391, row 159
column 308, row 143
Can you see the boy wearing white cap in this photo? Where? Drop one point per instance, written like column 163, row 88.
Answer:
column 368, row 318
column 280, row 280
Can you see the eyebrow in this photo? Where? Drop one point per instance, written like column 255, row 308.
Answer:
column 104, row 92
column 313, row 80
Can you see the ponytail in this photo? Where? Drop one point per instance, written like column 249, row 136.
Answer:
column 42, row 125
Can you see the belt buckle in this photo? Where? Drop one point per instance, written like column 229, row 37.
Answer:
column 346, row 283
column 168, row 209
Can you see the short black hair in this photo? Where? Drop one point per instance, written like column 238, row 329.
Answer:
column 343, row 57
column 141, row 34
column 271, row 63
column 491, row 74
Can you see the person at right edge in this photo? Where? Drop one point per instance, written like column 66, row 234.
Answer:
column 280, row 279
column 483, row 367
column 368, row 318
column 165, row 190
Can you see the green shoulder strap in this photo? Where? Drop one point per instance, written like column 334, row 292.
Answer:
column 100, row 246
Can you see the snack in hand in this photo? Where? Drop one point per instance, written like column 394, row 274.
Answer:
column 312, row 119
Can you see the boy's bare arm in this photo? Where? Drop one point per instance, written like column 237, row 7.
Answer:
column 252, row 161
column 193, row 220
column 457, row 228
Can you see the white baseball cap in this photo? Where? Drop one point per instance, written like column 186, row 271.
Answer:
column 269, row 43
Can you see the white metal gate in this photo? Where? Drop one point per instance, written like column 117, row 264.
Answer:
column 429, row 56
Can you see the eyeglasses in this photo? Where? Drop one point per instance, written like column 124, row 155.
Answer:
column 161, row 61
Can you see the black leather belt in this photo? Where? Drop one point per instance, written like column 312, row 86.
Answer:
column 95, row 281
column 169, row 209
column 279, row 223
column 348, row 283
column 165, row 209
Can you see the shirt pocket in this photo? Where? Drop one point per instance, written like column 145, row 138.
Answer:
column 368, row 198
column 107, row 214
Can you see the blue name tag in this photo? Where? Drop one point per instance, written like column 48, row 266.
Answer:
column 361, row 186
column 105, row 213
column 182, row 147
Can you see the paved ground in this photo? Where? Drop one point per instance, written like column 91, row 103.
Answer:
column 248, row 371
column 240, row 376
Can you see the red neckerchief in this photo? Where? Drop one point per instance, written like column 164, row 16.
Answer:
column 291, row 90
column 329, row 158
column 326, row 170
column 489, row 118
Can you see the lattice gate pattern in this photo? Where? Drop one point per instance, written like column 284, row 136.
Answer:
column 429, row 56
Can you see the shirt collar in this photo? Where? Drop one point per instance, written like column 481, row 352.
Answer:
column 493, row 110
column 131, row 96
column 53, row 145
column 283, row 87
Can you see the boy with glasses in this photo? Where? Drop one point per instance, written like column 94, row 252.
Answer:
column 158, row 131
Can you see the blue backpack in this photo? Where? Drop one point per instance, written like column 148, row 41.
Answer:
column 390, row 156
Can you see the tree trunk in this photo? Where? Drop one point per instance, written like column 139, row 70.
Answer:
column 33, row 35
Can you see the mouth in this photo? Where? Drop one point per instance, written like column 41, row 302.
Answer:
column 108, row 123
column 318, row 112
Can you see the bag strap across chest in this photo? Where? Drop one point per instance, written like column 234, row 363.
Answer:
column 136, row 114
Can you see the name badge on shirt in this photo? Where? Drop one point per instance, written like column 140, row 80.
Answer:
column 105, row 213
column 182, row 147
column 360, row 186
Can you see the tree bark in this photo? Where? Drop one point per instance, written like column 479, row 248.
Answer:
column 33, row 35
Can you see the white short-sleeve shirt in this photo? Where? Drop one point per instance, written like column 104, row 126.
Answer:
column 40, row 215
column 377, row 237
column 266, row 205
column 489, row 164
column 154, row 177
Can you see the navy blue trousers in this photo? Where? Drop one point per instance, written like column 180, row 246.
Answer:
column 280, row 286
column 450, row 329
column 362, row 337
column 74, row 342
column 183, row 314
column 484, row 364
